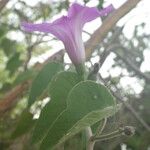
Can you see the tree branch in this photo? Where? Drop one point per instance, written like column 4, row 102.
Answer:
column 3, row 4
column 107, row 25
column 13, row 95
column 129, row 63
column 127, row 105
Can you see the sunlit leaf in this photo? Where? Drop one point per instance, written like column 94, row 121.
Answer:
column 88, row 103
column 59, row 88
column 42, row 80
column 14, row 63
column 25, row 123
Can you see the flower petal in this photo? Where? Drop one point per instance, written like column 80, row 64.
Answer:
column 62, row 29
column 68, row 28
column 82, row 13
column 43, row 27
column 30, row 27
column 107, row 10
column 86, row 14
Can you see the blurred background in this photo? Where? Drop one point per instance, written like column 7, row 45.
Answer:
column 124, row 57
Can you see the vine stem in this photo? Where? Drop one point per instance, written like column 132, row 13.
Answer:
column 90, row 143
column 101, row 128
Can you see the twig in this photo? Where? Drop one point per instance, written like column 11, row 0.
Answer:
column 101, row 128
column 90, row 144
column 127, row 130
column 8, row 101
column 108, row 45
column 107, row 138
column 128, row 106
column 114, row 48
column 3, row 4
column 29, row 54
column 11, row 97
column 134, row 67
column 107, row 25
column 134, row 113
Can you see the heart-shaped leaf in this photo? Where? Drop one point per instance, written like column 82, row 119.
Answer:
column 25, row 123
column 42, row 81
column 87, row 103
column 59, row 88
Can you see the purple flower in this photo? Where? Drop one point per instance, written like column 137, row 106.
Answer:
column 68, row 29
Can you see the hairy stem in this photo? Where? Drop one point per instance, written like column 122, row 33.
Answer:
column 101, row 128
column 90, row 144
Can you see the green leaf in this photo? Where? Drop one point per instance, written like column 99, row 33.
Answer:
column 88, row 103
column 25, row 123
column 100, row 5
column 24, row 76
column 89, row 120
column 8, row 46
column 59, row 88
column 14, row 63
column 42, row 80
column 77, row 142
column 3, row 31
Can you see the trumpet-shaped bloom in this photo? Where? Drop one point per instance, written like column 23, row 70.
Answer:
column 68, row 28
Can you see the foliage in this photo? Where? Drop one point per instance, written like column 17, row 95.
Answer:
column 73, row 104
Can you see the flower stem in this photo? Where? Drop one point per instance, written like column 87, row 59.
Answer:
column 80, row 68
column 127, row 130
column 106, row 138
column 90, row 144
column 101, row 128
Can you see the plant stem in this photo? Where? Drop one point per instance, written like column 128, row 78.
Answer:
column 127, row 130
column 80, row 69
column 90, row 144
column 106, row 138
column 101, row 128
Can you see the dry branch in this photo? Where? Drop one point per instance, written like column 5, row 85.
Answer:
column 3, row 4
column 11, row 97
column 107, row 25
